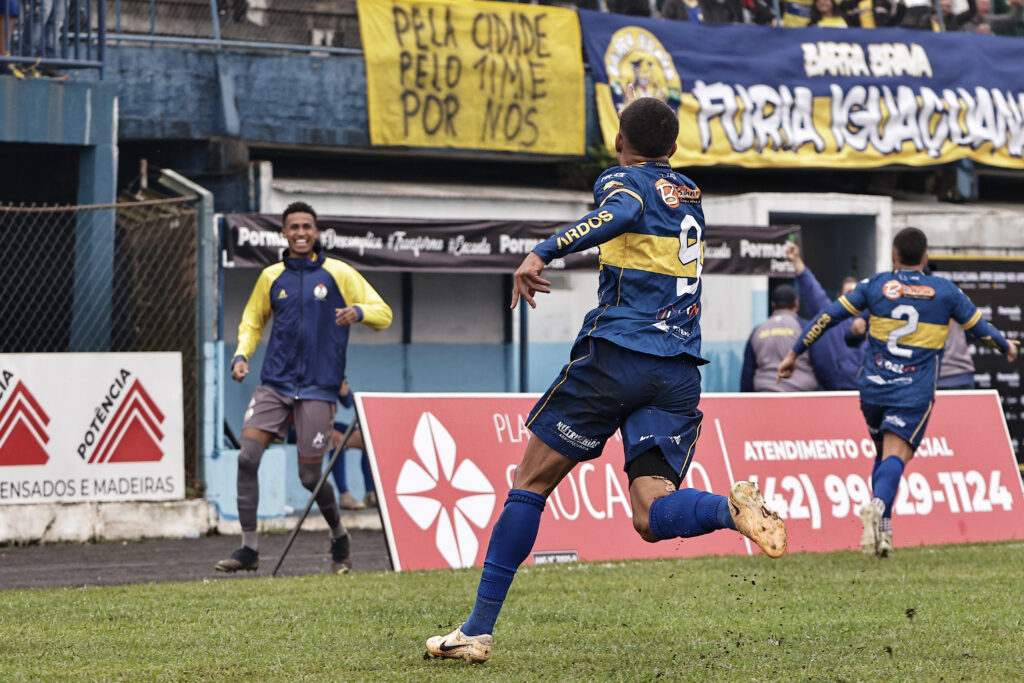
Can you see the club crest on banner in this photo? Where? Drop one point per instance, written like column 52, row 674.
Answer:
column 636, row 57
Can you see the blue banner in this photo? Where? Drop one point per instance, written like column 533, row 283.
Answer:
column 758, row 96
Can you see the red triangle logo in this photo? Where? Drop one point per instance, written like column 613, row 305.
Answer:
column 23, row 430
column 133, row 434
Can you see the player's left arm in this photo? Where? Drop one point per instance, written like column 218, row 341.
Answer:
column 969, row 317
column 365, row 305
column 839, row 310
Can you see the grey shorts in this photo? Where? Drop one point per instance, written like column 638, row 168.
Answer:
column 270, row 411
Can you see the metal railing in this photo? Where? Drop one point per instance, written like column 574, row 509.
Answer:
column 39, row 37
column 325, row 26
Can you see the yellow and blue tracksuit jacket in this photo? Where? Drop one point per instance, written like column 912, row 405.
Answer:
column 910, row 314
column 650, row 227
column 305, row 358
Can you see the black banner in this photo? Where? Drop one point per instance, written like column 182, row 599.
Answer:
column 996, row 286
column 255, row 241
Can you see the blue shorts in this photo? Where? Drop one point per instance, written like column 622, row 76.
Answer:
column 907, row 423
column 605, row 387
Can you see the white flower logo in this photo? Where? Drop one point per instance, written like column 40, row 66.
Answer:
column 455, row 538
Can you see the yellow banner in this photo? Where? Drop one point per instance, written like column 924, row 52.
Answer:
column 473, row 75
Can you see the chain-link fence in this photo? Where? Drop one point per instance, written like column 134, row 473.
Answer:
column 119, row 277
column 325, row 23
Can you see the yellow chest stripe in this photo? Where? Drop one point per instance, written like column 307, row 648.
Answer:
column 926, row 336
column 650, row 253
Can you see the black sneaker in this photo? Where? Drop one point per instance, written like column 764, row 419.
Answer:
column 245, row 558
column 341, row 557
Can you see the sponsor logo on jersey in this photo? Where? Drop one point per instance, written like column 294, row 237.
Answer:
column 582, row 228
column 896, row 420
column 282, row 295
column 673, row 195
column 610, row 184
column 882, row 363
column 918, row 292
column 892, row 290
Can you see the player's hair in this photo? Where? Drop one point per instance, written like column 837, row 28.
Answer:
column 297, row 207
column 910, row 245
column 650, row 126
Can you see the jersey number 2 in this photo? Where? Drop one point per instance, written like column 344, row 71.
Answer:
column 900, row 312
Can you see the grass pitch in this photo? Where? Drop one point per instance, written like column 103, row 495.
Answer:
column 950, row 612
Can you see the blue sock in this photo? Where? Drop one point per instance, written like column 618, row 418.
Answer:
column 887, row 480
column 874, row 470
column 338, row 473
column 689, row 512
column 511, row 542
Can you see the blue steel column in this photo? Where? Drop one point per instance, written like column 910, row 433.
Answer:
column 94, row 230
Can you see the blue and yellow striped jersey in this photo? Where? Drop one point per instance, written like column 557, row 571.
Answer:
column 910, row 314
column 650, row 228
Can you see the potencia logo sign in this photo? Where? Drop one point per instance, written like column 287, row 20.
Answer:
column 22, row 427
column 437, row 490
column 126, row 426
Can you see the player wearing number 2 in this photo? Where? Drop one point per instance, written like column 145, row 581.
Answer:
column 910, row 312
column 633, row 365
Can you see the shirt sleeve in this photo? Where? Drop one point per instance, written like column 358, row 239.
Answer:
column 969, row 317
column 254, row 318
column 612, row 218
column 811, row 292
column 835, row 313
column 360, row 294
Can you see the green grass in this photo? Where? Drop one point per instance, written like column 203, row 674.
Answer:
column 835, row 616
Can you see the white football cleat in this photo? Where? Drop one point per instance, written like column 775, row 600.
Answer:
column 457, row 645
column 755, row 520
column 872, row 520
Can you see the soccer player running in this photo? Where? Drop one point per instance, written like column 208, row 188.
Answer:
column 633, row 366
column 910, row 312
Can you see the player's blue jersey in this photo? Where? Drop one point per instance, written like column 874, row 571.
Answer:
column 650, row 228
column 910, row 314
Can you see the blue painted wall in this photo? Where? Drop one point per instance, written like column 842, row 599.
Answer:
column 287, row 99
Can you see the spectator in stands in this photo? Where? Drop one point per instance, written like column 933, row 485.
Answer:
column 796, row 13
column 761, row 12
column 721, row 11
column 956, row 371
column 1008, row 17
column 770, row 342
column 314, row 299
column 984, row 21
column 958, row 21
column 835, row 361
column 915, row 14
column 635, row 8
column 825, row 13
column 861, row 13
column 8, row 18
column 674, row 9
column 47, row 26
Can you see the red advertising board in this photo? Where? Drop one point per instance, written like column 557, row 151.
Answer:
column 443, row 464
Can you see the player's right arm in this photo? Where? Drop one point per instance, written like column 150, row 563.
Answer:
column 969, row 317
column 619, row 210
column 250, row 330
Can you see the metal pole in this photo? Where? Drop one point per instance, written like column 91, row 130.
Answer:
column 316, row 491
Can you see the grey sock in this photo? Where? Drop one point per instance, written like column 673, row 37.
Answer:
column 251, row 539
column 249, row 488
column 309, row 475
